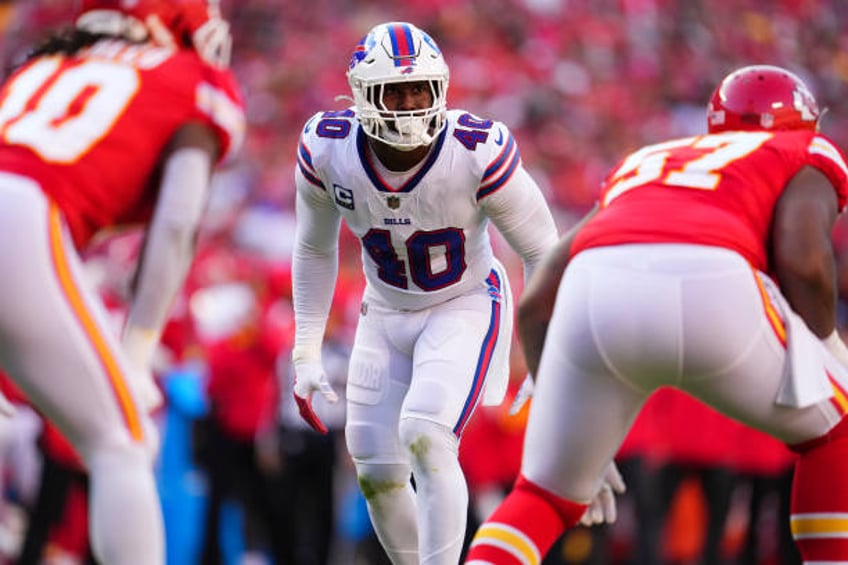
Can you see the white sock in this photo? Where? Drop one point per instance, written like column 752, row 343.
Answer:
column 125, row 515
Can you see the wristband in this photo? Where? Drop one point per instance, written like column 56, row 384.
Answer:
column 306, row 353
column 140, row 345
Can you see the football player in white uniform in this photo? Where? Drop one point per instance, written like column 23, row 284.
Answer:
column 417, row 184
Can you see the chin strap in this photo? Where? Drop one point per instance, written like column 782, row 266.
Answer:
column 406, row 130
column 408, row 148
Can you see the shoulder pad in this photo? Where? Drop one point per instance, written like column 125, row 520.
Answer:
column 317, row 138
column 330, row 125
column 219, row 98
column 829, row 159
column 493, row 145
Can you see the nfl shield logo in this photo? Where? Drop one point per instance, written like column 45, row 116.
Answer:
column 393, row 202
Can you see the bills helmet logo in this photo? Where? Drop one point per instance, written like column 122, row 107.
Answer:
column 360, row 52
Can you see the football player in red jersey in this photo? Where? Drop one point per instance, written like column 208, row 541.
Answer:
column 119, row 121
column 707, row 265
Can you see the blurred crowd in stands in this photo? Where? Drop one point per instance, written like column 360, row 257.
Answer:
column 579, row 82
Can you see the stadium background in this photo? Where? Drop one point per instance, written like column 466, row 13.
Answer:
column 579, row 82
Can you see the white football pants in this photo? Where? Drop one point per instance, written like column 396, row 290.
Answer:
column 58, row 345
column 632, row 318
column 415, row 378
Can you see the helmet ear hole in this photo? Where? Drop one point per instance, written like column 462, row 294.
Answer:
column 185, row 39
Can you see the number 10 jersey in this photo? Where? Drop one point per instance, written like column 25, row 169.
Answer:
column 91, row 128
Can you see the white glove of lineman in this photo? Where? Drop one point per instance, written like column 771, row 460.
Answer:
column 309, row 377
column 602, row 508
column 7, row 409
column 525, row 391
column 139, row 347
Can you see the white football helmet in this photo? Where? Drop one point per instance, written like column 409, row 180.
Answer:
column 398, row 52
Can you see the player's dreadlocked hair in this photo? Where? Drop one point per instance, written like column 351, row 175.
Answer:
column 65, row 41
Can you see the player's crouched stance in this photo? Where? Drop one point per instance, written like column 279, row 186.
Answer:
column 707, row 265
column 118, row 121
column 419, row 185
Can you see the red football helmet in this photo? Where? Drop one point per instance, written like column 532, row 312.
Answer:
column 195, row 24
column 762, row 97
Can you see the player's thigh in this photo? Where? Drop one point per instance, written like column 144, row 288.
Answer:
column 453, row 359
column 748, row 392
column 581, row 410
column 58, row 343
column 748, row 374
column 378, row 380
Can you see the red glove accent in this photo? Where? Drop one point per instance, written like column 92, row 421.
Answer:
column 304, row 406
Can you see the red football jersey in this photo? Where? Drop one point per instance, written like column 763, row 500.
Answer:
column 91, row 128
column 718, row 189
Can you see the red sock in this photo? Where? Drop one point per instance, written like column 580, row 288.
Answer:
column 820, row 498
column 524, row 527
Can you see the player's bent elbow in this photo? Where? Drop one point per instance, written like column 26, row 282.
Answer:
column 531, row 314
column 814, row 268
column 525, row 312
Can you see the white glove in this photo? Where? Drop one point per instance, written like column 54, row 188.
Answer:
column 309, row 377
column 7, row 409
column 139, row 346
column 602, row 508
column 525, row 391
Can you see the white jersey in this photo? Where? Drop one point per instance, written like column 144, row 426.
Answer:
column 424, row 232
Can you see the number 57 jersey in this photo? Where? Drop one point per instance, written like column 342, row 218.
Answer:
column 91, row 128
column 718, row 189
column 424, row 232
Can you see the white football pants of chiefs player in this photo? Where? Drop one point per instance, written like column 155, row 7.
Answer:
column 631, row 318
column 58, row 345
column 415, row 378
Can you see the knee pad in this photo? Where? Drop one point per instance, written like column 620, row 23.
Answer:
column 370, row 443
column 376, row 479
column 151, row 441
column 119, row 445
column 118, row 458
column 427, row 441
